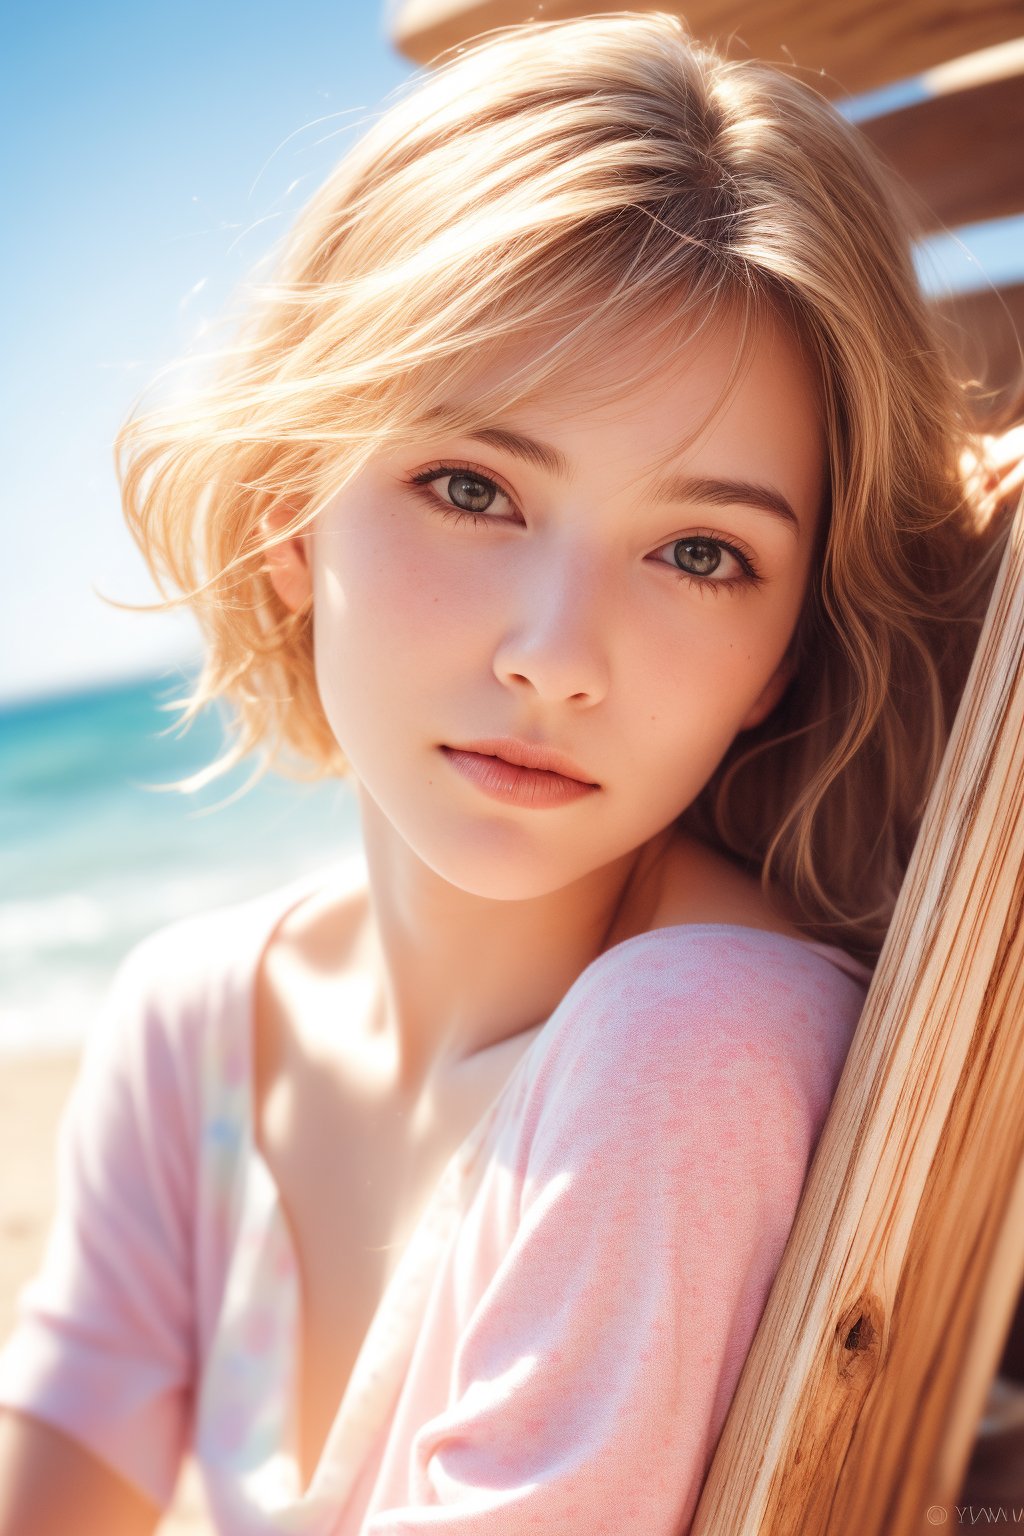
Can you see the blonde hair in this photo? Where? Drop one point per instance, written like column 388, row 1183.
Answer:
column 574, row 177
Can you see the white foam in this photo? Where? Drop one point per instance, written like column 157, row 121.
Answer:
column 58, row 953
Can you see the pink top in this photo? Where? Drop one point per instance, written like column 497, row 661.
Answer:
column 559, row 1345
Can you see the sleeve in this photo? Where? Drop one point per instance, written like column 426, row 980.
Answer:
column 673, row 1132
column 103, row 1344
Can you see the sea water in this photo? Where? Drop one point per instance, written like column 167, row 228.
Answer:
column 91, row 859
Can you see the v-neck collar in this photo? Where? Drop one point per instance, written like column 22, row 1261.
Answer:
column 247, row 1414
column 262, row 1293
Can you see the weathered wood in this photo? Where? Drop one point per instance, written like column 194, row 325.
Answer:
column 862, row 1392
column 960, row 151
column 858, row 44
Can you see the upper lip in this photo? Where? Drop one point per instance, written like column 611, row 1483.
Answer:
column 529, row 754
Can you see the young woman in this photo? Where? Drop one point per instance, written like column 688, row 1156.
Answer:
column 588, row 488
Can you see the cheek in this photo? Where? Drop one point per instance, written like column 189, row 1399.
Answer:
column 375, row 586
column 711, row 656
column 388, row 612
column 699, row 683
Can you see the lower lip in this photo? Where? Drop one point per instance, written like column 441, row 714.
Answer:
column 531, row 787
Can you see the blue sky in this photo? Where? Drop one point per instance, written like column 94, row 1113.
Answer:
column 149, row 155
column 152, row 156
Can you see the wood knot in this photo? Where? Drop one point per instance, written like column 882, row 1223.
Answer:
column 853, row 1339
column 859, row 1336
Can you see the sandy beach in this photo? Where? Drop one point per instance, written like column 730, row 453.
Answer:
column 33, row 1091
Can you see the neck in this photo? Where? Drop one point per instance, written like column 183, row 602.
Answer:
column 456, row 973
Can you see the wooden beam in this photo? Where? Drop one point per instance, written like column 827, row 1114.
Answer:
column 845, row 45
column 961, row 151
column 985, row 330
column 860, row 1397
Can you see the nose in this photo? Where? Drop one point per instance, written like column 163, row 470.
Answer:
column 556, row 641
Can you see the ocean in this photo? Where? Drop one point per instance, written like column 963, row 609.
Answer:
column 91, row 860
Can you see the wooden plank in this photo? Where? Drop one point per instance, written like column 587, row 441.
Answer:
column 857, row 44
column 862, row 1392
column 985, row 330
column 961, row 151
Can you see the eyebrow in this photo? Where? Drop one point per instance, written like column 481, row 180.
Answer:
column 727, row 493
column 710, row 489
column 523, row 447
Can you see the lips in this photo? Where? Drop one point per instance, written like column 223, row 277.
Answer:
column 529, row 754
column 526, row 788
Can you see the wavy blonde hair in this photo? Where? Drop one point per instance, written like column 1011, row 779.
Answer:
column 574, row 177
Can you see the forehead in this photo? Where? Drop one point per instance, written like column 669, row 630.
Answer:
column 728, row 396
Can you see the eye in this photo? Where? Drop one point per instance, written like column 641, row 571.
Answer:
column 705, row 555
column 698, row 558
column 469, row 493
column 464, row 493
column 466, row 490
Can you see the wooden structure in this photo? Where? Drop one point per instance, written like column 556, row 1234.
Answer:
column 863, row 1389
column 958, row 149
column 859, row 43
column 894, row 1307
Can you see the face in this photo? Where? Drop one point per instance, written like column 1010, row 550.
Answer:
column 620, row 607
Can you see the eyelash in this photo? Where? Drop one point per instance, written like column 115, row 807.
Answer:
column 751, row 575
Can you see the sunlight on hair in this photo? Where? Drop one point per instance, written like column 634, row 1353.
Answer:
column 574, row 179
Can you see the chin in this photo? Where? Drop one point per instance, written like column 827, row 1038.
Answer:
column 504, row 868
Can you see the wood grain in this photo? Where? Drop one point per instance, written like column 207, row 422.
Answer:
column 861, row 1395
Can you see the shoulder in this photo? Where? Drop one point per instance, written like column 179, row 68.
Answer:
column 739, row 955
column 320, row 930
column 173, row 975
column 195, row 962
column 185, row 983
column 705, row 983
column 720, row 1018
column 140, row 1065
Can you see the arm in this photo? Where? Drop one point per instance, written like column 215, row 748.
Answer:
column 95, row 1379
column 51, row 1486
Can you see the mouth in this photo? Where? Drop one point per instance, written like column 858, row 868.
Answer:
column 533, row 755
column 516, row 784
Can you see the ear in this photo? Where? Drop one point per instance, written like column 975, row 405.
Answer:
column 287, row 564
column 770, row 694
